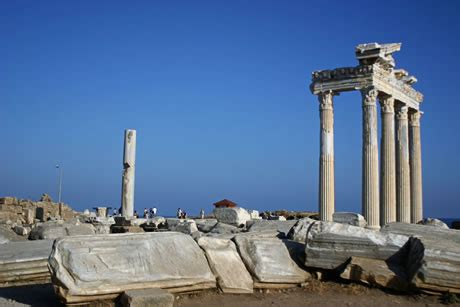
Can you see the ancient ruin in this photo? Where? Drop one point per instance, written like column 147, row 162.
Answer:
column 129, row 168
column 399, row 195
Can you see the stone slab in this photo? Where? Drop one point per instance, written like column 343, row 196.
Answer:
column 233, row 216
column 147, row 297
column 349, row 218
column 268, row 259
column 226, row 264
column 90, row 268
column 281, row 227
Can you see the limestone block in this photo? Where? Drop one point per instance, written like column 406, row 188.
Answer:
column 254, row 214
column 222, row 228
column 277, row 218
column 147, row 297
column 24, row 262
column 54, row 230
column 8, row 201
column 205, row 225
column 226, row 264
column 90, row 268
column 433, row 222
column 299, row 231
column 329, row 245
column 156, row 221
column 101, row 211
column 268, row 260
column 184, row 226
column 29, row 216
column 376, row 273
column 423, row 231
column 21, row 230
column 233, row 216
column 349, row 218
column 278, row 227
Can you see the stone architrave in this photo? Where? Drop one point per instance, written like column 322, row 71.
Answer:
column 388, row 163
column 326, row 160
column 99, row 267
column 370, row 184
column 403, row 205
column 415, row 150
column 129, row 167
column 226, row 264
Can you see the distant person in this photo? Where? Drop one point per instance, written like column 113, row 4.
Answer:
column 154, row 211
column 201, row 213
column 135, row 214
column 146, row 213
column 179, row 213
column 115, row 212
column 184, row 214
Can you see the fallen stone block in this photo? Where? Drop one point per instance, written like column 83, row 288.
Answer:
column 254, row 214
column 329, row 245
column 376, row 272
column 433, row 222
column 221, row 228
column 54, row 230
column 8, row 201
column 147, row 297
column 25, row 262
column 226, row 264
column 184, row 226
column 278, row 227
column 205, row 225
column 233, row 216
column 299, row 231
column 268, row 259
column 91, row 268
column 21, row 230
column 433, row 262
column 349, row 218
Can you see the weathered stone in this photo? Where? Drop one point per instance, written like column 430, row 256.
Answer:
column 101, row 211
column 233, row 216
column 277, row 218
column 29, row 215
column 254, row 214
column 221, row 228
column 21, row 230
column 89, row 268
column 278, row 227
column 299, row 231
column 128, row 177
column 376, row 273
column 156, row 221
column 24, row 262
column 102, row 225
column 329, row 245
column 268, row 260
column 205, row 225
column 184, row 226
column 147, row 297
column 433, row 222
column 226, row 264
column 54, row 230
column 349, row 218
column 46, row 198
column 433, row 262
column 8, row 201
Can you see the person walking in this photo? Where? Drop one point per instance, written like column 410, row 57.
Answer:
column 201, row 213
column 179, row 213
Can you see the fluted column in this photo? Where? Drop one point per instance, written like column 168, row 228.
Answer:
column 370, row 188
column 402, row 166
column 415, row 151
column 387, row 163
column 129, row 168
column 326, row 161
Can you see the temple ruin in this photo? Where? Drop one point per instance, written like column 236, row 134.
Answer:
column 398, row 197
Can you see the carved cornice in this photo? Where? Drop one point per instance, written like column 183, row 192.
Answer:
column 342, row 73
column 326, row 101
column 369, row 95
column 387, row 104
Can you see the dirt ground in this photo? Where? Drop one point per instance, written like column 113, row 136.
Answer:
column 314, row 293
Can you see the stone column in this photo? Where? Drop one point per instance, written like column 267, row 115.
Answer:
column 402, row 167
column 387, row 163
column 370, row 192
column 415, row 158
column 326, row 161
column 129, row 166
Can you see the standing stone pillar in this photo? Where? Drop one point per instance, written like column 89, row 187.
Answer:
column 387, row 163
column 402, row 167
column 370, row 192
column 129, row 166
column 326, row 161
column 415, row 158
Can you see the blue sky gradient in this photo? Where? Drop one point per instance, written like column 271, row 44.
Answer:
column 218, row 93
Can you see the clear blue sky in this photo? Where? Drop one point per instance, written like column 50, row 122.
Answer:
column 218, row 93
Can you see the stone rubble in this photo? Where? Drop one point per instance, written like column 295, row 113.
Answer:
column 349, row 218
column 54, row 230
column 278, row 227
column 234, row 216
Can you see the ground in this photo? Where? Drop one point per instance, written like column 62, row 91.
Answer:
column 314, row 293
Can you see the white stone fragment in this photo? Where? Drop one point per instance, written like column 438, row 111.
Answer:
column 233, row 216
column 349, row 218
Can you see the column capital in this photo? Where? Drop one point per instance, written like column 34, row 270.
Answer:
column 414, row 118
column 401, row 112
column 369, row 95
column 325, row 100
column 387, row 104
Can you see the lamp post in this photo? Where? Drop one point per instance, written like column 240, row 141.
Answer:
column 60, row 182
